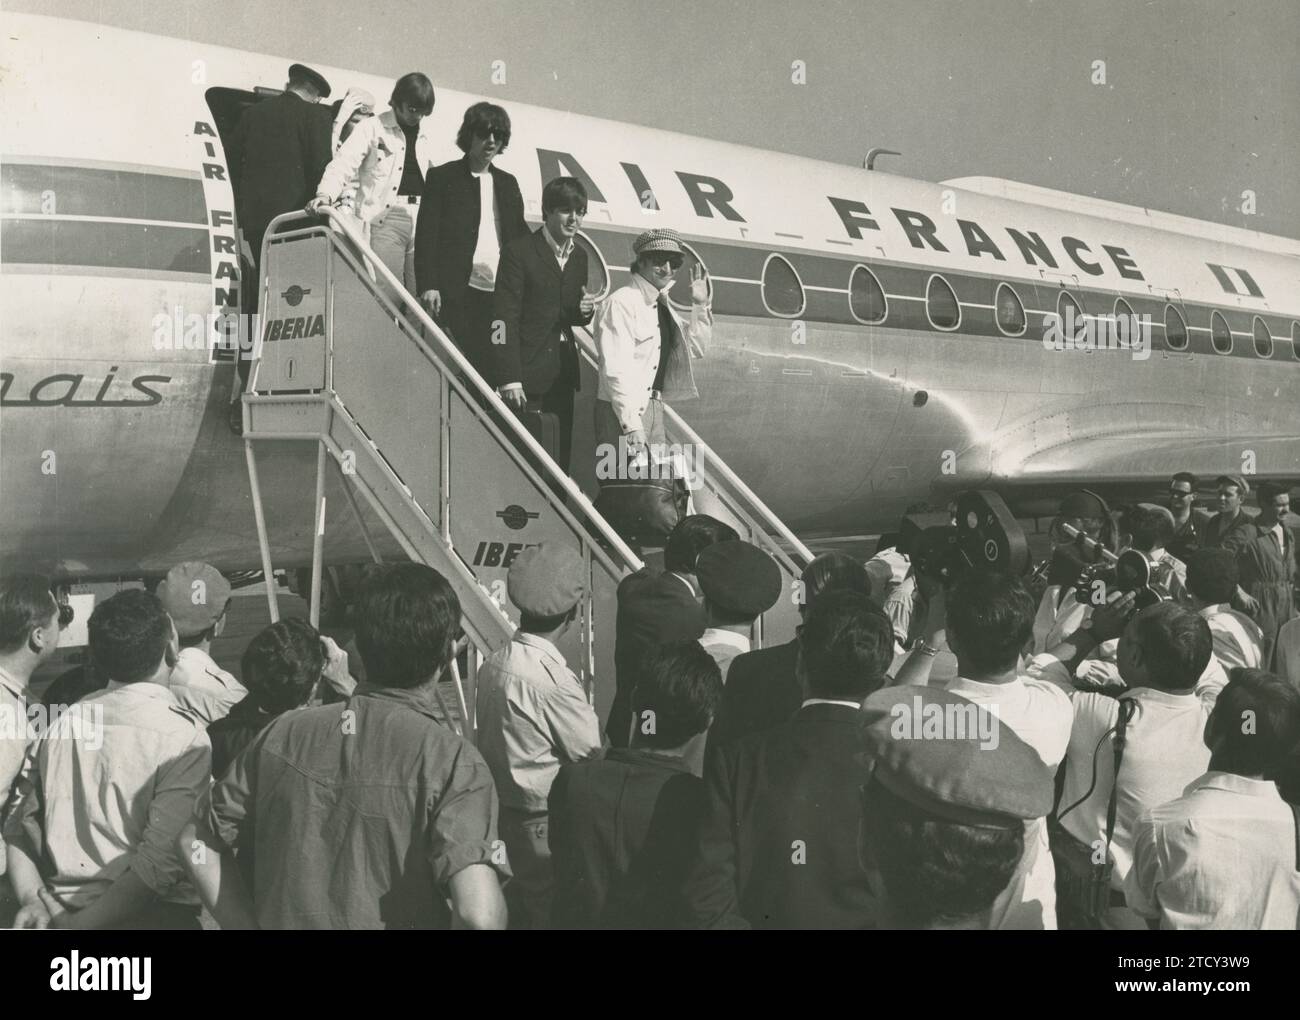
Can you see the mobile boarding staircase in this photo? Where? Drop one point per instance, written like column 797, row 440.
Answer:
column 349, row 361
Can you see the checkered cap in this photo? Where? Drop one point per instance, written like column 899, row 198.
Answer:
column 662, row 239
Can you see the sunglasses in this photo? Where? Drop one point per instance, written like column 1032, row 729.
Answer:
column 660, row 257
column 1179, row 492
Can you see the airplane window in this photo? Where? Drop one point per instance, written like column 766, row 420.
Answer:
column 782, row 290
column 1064, row 301
column 941, row 304
column 1263, row 339
column 1123, row 308
column 866, row 297
column 1011, row 313
column 1220, row 335
column 680, row 292
column 597, row 270
column 1175, row 329
column 1295, row 340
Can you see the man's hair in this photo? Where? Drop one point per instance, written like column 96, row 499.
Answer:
column 25, row 604
column 1269, row 491
column 406, row 619
column 1212, row 575
column 564, row 193
column 846, row 644
column 128, row 636
column 833, row 571
column 1148, row 528
column 479, row 120
column 415, row 90
column 207, row 634
column 680, row 684
column 303, row 81
column 690, row 537
column 1269, row 746
column 1189, row 478
column 1176, row 645
column 991, row 614
column 936, row 871
column 531, row 623
column 281, row 665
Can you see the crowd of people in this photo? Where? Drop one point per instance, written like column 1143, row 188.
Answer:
column 1133, row 765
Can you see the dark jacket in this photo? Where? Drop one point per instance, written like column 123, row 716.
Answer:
column 234, row 732
column 653, row 609
column 447, row 228
column 621, row 830
column 276, row 155
column 778, row 846
column 762, row 691
column 536, row 302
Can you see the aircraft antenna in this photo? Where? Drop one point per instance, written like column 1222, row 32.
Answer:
column 870, row 162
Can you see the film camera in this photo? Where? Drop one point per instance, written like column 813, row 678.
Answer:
column 983, row 535
column 1106, row 572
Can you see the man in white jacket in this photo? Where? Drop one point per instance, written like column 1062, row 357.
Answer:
column 389, row 155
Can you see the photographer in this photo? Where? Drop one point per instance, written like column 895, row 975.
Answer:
column 1060, row 615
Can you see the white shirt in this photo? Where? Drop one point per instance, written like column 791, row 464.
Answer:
column 1165, row 752
column 204, row 688
column 1040, row 714
column 1053, row 623
column 375, row 154
column 487, row 248
column 561, row 251
column 1223, row 855
column 13, row 741
column 1238, row 641
column 723, row 645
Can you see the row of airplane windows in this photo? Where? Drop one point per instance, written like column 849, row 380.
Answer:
column 784, row 296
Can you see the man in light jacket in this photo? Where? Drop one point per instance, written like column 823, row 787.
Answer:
column 389, row 155
column 645, row 347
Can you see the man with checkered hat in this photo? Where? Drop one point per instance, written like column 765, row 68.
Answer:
column 535, row 715
column 195, row 596
column 645, row 347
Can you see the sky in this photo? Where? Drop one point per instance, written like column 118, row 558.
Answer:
column 1200, row 100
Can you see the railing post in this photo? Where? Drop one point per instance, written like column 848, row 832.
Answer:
column 263, row 540
column 318, row 537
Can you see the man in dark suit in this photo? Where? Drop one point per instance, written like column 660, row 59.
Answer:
column 622, row 826
column 469, row 211
column 778, row 847
column 541, row 293
column 763, row 688
column 655, row 608
column 277, row 153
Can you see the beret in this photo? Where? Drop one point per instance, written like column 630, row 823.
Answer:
column 660, row 239
column 546, row 579
column 301, row 72
column 1082, row 504
column 739, row 577
column 195, row 595
column 953, row 758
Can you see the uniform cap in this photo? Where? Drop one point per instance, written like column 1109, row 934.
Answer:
column 546, row 579
column 195, row 595
column 1243, row 487
column 953, row 758
column 739, row 578
column 662, row 239
column 301, row 72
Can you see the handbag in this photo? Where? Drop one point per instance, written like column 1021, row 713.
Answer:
column 1083, row 890
column 643, row 510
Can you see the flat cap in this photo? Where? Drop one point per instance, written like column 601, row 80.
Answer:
column 301, row 72
column 546, row 579
column 195, row 595
column 953, row 758
column 1243, row 487
column 661, row 239
column 739, row 577
column 1083, row 504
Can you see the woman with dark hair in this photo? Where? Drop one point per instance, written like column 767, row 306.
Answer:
column 470, row 209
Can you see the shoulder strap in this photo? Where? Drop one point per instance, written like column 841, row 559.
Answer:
column 1126, row 708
